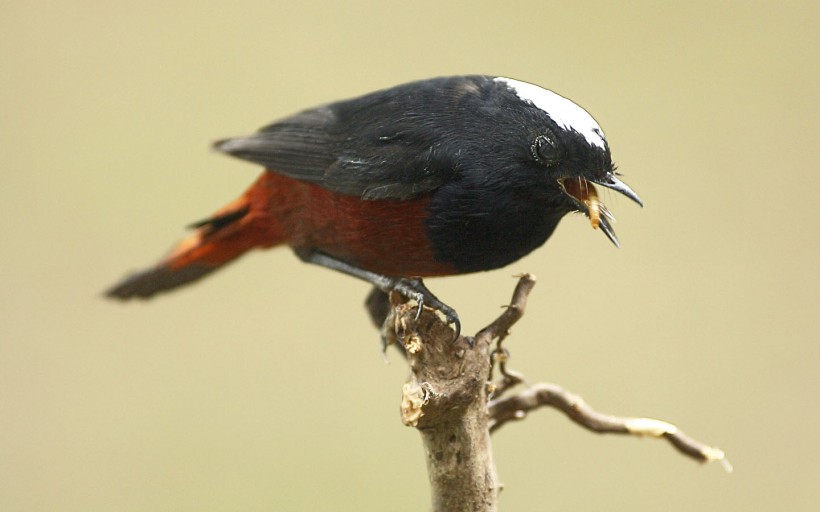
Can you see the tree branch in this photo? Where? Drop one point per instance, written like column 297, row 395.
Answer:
column 516, row 407
column 445, row 398
column 500, row 328
column 448, row 393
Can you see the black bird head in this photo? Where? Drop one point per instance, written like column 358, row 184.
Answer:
column 569, row 147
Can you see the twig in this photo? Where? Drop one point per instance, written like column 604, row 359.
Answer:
column 500, row 329
column 516, row 407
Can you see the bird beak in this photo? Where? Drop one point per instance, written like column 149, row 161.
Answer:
column 585, row 196
column 612, row 181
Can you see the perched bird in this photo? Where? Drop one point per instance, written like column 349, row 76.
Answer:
column 431, row 178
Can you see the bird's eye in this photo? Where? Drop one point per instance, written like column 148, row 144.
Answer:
column 544, row 150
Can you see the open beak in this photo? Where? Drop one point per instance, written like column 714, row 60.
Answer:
column 585, row 196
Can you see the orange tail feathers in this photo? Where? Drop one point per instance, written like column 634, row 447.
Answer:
column 235, row 229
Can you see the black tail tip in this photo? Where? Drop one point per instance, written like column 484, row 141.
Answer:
column 146, row 284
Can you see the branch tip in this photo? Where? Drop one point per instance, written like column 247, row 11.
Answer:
column 516, row 407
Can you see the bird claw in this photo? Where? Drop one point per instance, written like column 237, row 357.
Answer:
column 416, row 290
column 452, row 318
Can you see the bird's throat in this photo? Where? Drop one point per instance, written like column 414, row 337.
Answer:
column 585, row 193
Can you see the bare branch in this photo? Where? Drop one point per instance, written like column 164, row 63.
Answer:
column 450, row 399
column 540, row 395
column 500, row 327
column 445, row 398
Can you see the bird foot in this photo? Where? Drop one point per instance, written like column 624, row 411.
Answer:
column 410, row 288
column 414, row 289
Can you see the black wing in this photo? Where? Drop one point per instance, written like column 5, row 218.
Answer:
column 390, row 144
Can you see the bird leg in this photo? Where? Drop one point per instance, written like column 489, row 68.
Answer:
column 411, row 288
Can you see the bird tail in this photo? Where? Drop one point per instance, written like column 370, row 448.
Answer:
column 244, row 224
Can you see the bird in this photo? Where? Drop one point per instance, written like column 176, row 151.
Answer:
column 436, row 177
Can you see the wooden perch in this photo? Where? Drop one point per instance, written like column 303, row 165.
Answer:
column 445, row 398
column 450, row 397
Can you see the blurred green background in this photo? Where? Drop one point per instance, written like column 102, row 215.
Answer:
column 263, row 388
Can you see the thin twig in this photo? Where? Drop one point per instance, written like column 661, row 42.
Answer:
column 516, row 407
column 500, row 329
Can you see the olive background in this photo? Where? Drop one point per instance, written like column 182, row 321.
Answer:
column 263, row 388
